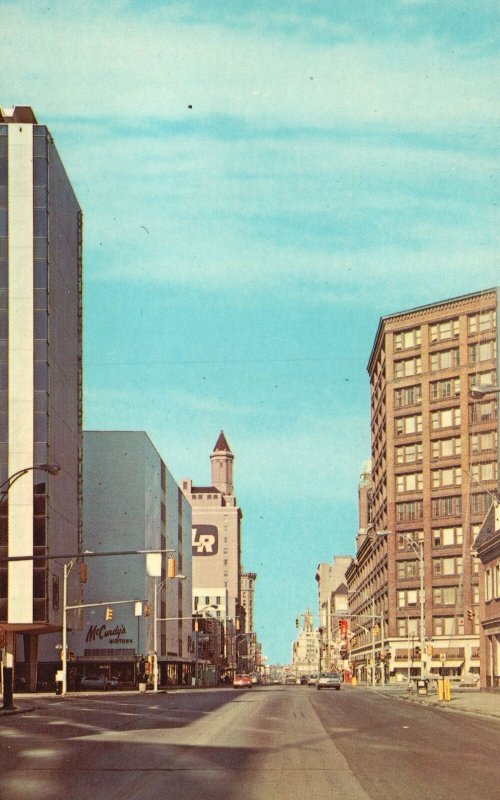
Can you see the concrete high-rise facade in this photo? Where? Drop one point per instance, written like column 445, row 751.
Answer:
column 132, row 502
column 434, row 468
column 40, row 382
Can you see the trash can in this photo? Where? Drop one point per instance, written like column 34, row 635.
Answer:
column 142, row 687
column 422, row 686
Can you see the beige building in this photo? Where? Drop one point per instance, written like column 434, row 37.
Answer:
column 434, row 467
column 306, row 648
column 332, row 607
column 216, row 543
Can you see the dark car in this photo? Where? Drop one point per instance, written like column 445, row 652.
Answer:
column 304, row 680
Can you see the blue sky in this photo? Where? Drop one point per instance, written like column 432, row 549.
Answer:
column 262, row 182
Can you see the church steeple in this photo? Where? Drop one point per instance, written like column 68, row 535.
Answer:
column 222, row 465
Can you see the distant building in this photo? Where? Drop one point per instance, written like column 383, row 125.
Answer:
column 216, row 543
column 132, row 502
column 306, row 648
column 332, row 606
column 247, row 598
column 434, row 464
column 40, row 384
column 487, row 546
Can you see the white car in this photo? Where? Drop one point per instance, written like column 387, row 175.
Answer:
column 329, row 680
column 94, row 682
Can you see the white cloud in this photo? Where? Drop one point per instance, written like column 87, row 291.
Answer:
column 98, row 59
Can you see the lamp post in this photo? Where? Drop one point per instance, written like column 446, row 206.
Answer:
column 8, row 667
column 478, row 392
column 420, row 553
column 158, row 588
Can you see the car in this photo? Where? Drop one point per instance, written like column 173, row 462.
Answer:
column 304, row 680
column 242, row 681
column 291, row 679
column 329, row 680
column 312, row 680
column 93, row 682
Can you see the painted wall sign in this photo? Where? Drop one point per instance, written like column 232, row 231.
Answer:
column 205, row 540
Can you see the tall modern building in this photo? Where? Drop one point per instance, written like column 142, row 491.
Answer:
column 434, row 469
column 40, row 382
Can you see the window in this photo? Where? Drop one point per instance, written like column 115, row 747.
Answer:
column 481, row 442
column 408, row 511
column 451, row 565
column 485, row 321
column 484, row 472
column 408, row 367
column 480, row 503
column 409, row 453
column 488, row 378
column 447, row 506
column 484, row 411
column 406, row 425
column 408, row 627
column 404, row 538
column 445, row 418
column 446, row 448
column 409, row 396
column 411, row 482
column 442, row 478
column 445, row 595
column 447, row 626
column 406, row 339
column 482, row 351
column 446, row 537
column 444, row 330
column 407, row 597
column 488, row 585
column 407, row 569
column 444, row 359
column 441, row 390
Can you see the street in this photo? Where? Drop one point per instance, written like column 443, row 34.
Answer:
column 276, row 742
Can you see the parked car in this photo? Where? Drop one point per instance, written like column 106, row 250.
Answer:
column 304, row 680
column 329, row 680
column 241, row 681
column 291, row 679
column 313, row 679
column 93, row 682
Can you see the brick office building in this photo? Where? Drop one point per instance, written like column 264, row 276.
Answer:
column 434, row 466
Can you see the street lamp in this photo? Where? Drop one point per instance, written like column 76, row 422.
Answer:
column 158, row 588
column 51, row 469
column 478, row 392
column 420, row 553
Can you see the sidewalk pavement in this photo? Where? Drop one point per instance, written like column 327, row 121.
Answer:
column 468, row 701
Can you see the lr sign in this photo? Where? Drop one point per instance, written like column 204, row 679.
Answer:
column 205, row 540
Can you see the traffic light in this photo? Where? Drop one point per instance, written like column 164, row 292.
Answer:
column 171, row 567
column 417, row 652
column 147, row 609
column 83, row 573
column 109, row 613
column 296, row 622
column 354, row 639
column 470, row 614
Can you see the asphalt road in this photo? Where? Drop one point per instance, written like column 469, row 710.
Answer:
column 272, row 743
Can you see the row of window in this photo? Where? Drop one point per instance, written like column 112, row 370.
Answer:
column 478, row 353
column 440, row 507
column 441, row 626
column 447, row 329
column 482, row 411
column 440, row 390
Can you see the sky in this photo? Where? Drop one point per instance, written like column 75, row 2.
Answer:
column 261, row 182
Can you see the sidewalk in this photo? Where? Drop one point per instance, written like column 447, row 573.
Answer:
column 468, row 701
